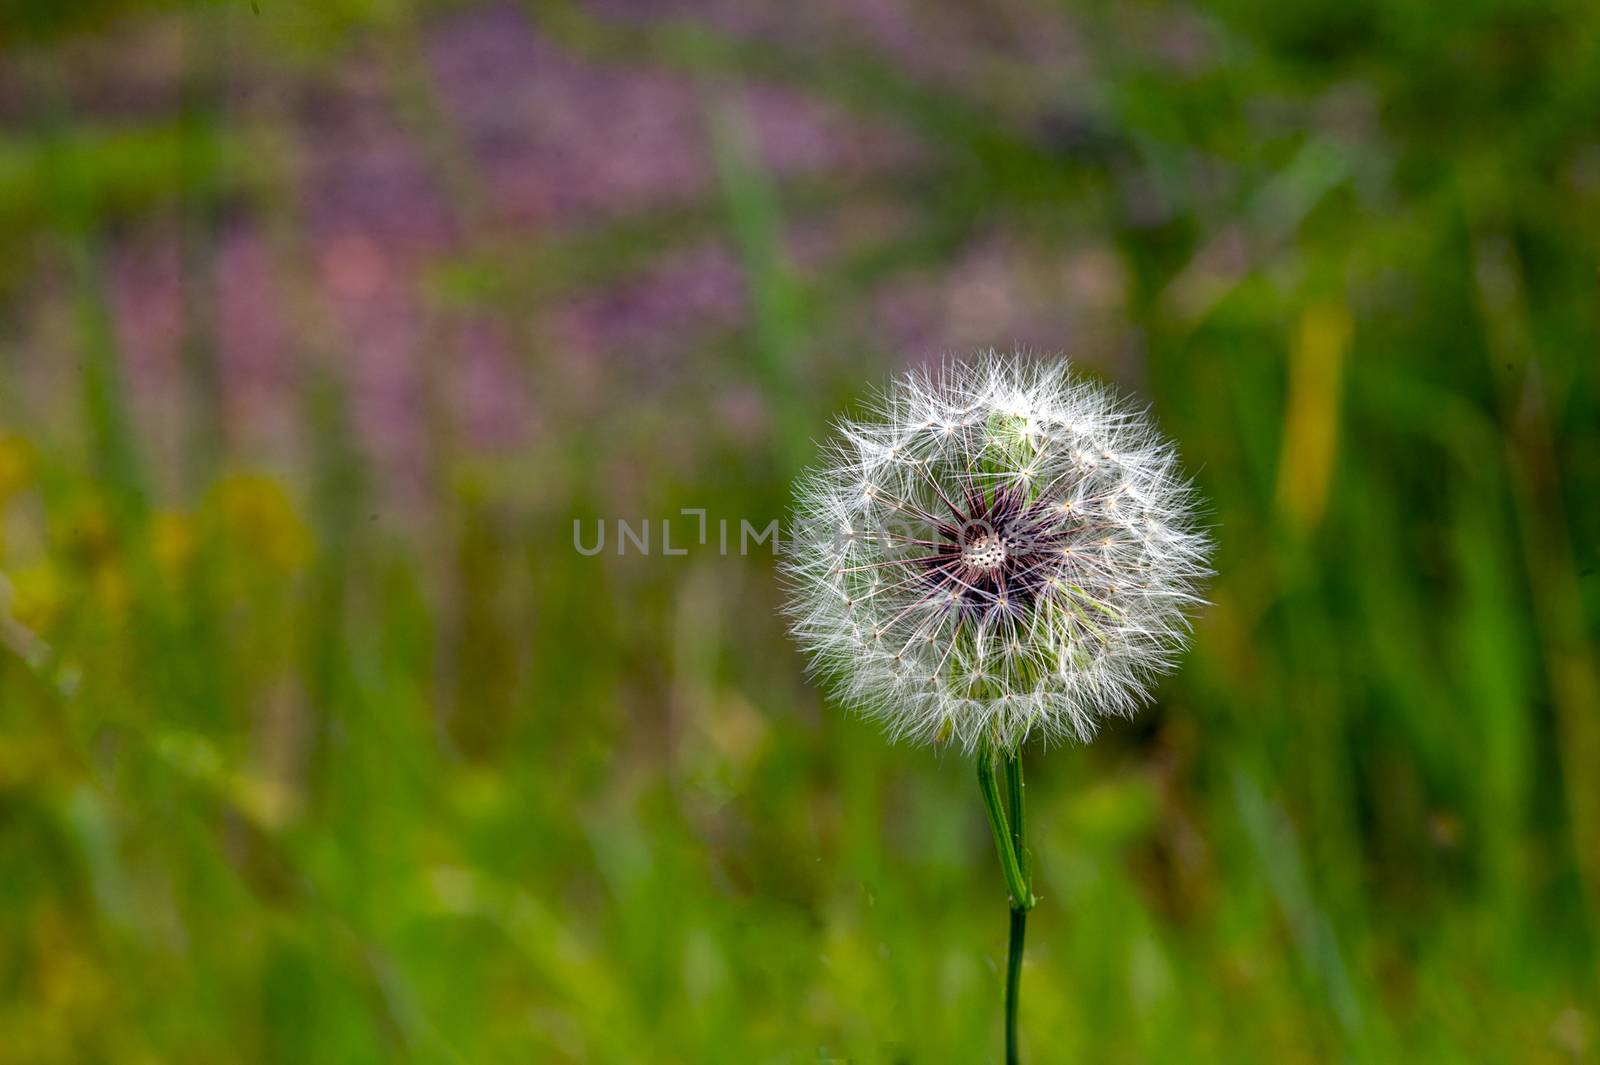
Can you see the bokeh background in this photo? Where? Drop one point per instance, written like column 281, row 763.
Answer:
column 321, row 323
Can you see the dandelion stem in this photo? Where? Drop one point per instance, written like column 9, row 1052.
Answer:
column 1014, row 797
column 1008, row 841
column 1019, row 914
column 1019, row 928
column 994, row 805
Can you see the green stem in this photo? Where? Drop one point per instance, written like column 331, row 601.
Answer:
column 1019, row 915
column 1019, row 928
column 1014, row 796
column 1008, row 841
column 1009, row 865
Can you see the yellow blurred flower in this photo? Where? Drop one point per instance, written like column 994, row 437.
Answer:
column 16, row 472
column 87, row 540
column 37, row 596
column 172, row 543
column 16, row 465
column 86, row 533
column 253, row 512
column 1311, row 418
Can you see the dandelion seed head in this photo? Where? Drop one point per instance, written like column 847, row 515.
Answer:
column 1021, row 559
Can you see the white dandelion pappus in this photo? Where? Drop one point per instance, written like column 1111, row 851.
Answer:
column 998, row 550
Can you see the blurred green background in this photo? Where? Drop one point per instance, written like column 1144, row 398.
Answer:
column 320, row 324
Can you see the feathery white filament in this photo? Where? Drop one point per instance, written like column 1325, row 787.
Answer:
column 998, row 550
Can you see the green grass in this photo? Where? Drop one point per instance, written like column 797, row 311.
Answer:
column 280, row 781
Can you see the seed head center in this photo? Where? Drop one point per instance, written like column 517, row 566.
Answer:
column 987, row 552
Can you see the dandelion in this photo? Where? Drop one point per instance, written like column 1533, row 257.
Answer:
column 998, row 551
